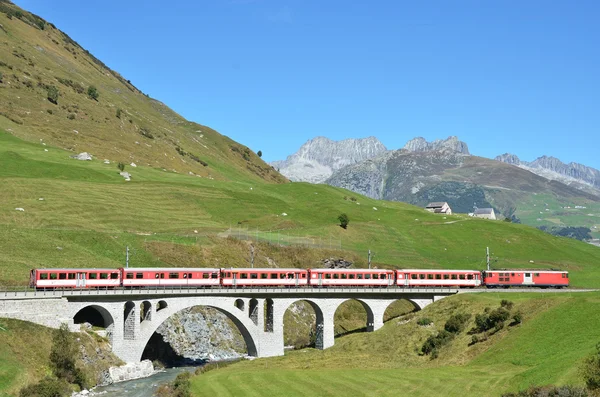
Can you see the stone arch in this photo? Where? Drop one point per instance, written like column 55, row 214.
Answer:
column 129, row 320
column 161, row 305
column 145, row 311
column 403, row 306
column 320, row 323
column 253, row 310
column 95, row 315
column 243, row 324
column 239, row 303
column 369, row 326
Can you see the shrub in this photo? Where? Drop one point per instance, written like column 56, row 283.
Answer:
column 456, row 323
column 344, row 220
column 62, row 357
column 508, row 305
column 71, row 116
column 93, row 93
column 259, row 153
column 435, row 342
column 517, row 318
column 47, row 387
column 591, row 370
column 121, row 166
column 53, row 94
column 550, row 391
column 491, row 319
column 118, row 113
column 146, row 133
column 424, row 321
column 49, row 111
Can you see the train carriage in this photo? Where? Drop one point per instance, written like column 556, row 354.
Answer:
column 74, row 278
column 170, row 277
column 525, row 278
column 438, row 278
column 240, row 277
column 351, row 277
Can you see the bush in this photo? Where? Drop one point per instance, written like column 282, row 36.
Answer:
column 53, row 94
column 259, row 153
column 62, row 357
column 118, row 113
column 121, row 167
column 146, row 133
column 508, row 305
column 47, row 387
column 93, row 93
column 550, row 391
column 493, row 319
column 1, row 77
column 71, row 116
column 424, row 321
column 344, row 220
column 456, row 323
column 517, row 318
column 49, row 111
column 591, row 370
column 435, row 342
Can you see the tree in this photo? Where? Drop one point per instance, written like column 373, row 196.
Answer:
column 259, row 153
column 53, row 94
column 62, row 357
column 344, row 220
column 93, row 93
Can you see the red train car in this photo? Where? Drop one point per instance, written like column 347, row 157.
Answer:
column 525, row 278
column 74, row 278
column 351, row 277
column 438, row 278
column 240, row 277
column 170, row 277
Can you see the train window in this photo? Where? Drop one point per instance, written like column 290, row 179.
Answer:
column 527, row 274
column 114, row 276
column 104, row 276
column 446, row 276
column 190, row 275
column 438, row 276
column 273, row 275
column 71, row 276
column 291, row 275
column 367, row 276
column 512, row 274
column 62, row 276
column 44, row 276
column 453, row 277
column 351, row 276
column 336, row 276
column 173, row 275
column 129, row 275
column 253, row 276
column 344, row 276
column 462, row 276
column 422, row 276
column 430, row 277
column 264, row 275
column 92, row 276
column 53, row 276
column 413, row 276
column 228, row 275
column 184, row 275
column 359, row 276
column 244, row 275
column 214, row 275
column 303, row 275
column 156, row 275
column 205, row 275
column 139, row 275
column 469, row 277
column 327, row 276
column 537, row 274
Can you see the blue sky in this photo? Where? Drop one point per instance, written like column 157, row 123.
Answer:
column 504, row 76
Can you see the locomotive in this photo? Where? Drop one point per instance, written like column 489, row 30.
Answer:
column 324, row 278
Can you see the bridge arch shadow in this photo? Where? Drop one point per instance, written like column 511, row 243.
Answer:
column 309, row 319
column 352, row 316
column 399, row 308
column 95, row 315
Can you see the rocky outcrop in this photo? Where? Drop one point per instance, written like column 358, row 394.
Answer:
column 336, row 263
column 318, row 158
column 508, row 159
column 452, row 143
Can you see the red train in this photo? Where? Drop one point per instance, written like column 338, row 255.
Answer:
column 240, row 277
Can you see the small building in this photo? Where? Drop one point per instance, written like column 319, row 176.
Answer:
column 439, row 208
column 485, row 213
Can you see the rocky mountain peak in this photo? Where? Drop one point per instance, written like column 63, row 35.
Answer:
column 451, row 143
column 319, row 157
column 508, row 158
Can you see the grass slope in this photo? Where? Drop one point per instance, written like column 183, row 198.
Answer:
column 89, row 214
column 558, row 331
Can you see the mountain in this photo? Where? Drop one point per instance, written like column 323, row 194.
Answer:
column 318, row 158
column 451, row 143
column 55, row 92
column 574, row 174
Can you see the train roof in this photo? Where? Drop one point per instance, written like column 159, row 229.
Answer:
column 350, row 270
column 171, row 269
column 440, row 270
column 80, row 269
column 527, row 270
column 257, row 269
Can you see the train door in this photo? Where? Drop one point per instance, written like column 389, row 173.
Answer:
column 528, row 279
column 406, row 275
column 390, row 279
column 297, row 277
column 320, row 279
column 80, row 280
column 234, row 278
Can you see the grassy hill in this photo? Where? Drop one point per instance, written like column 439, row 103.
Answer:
column 557, row 332
column 121, row 124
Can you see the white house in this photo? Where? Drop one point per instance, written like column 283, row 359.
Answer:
column 486, row 213
column 439, row 208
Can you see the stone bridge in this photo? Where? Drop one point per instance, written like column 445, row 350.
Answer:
column 132, row 316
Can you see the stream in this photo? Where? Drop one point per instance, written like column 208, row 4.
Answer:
column 144, row 387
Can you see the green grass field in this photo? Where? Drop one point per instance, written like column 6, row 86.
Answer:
column 557, row 332
column 89, row 214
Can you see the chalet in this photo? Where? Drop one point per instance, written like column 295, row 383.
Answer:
column 485, row 213
column 439, row 208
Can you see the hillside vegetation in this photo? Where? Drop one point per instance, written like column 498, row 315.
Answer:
column 557, row 332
